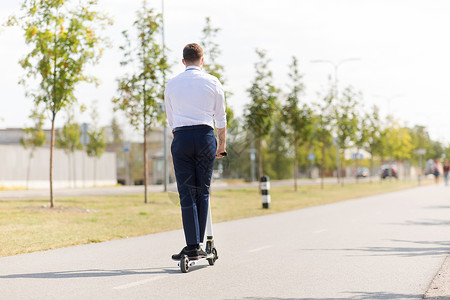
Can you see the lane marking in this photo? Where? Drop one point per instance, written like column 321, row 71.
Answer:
column 320, row 230
column 260, row 248
column 138, row 283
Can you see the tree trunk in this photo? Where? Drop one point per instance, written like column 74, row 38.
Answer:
column 260, row 165
column 295, row 167
column 29, row 167
column 52, row 146
column 371, row 168
column 74, row 168
column 342, row 165
column 145, row 163
column 322, row 175
column 356, row 165
column 69, row 169
column 95, row 171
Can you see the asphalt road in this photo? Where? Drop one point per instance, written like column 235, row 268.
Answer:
column 381, row 247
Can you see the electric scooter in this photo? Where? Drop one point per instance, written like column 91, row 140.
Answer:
column 211, row 253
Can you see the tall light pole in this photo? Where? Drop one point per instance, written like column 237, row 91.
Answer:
column 166, row 173
column 336, row 66
column 389, row 100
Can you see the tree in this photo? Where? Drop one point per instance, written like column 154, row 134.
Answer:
column 374, row 143
column 259, row 113
column 361, row 138
column 398, row 142
column 141, row 92
column 34, row 136
column 63, row 40
column 297, row 121
column 323, row 121
column 211, row 66
column 97, row 141
column 117, row 132
column 68, row 138
column 345, row 114
column 278, row 155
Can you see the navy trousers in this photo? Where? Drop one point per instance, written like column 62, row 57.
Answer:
column 193, row 152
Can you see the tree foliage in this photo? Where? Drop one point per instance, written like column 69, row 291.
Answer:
column 34, row 136
column 63, row 39
column 141, row 91
column 297, row 118
column 212, row 52
column 259, row 113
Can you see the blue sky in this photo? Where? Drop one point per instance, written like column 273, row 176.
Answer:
column 403, row 48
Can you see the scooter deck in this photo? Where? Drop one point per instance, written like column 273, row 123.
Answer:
column 193, row 262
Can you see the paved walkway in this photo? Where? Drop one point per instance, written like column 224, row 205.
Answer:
column 381, row 247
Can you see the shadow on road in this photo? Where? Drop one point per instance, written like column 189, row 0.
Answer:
column 438, row 207
column 355, row 296
column 424, row 222
column 93, row 273
column 434, row 248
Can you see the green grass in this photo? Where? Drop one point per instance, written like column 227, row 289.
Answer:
column 29, row 225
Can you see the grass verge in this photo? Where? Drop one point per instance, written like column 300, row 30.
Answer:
column 29, row 225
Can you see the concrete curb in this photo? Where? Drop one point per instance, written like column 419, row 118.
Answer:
column 439, row 288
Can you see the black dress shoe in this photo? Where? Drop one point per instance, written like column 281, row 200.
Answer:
column 192, row 254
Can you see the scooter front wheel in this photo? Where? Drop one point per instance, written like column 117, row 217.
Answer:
column 212, row 260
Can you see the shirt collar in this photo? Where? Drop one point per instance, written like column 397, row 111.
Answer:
column 193, row 68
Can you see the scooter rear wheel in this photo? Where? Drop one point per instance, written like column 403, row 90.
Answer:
column 184, row 264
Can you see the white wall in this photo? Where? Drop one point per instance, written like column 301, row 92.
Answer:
column 68, row 170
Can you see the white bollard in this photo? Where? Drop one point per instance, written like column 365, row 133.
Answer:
column 265, row 191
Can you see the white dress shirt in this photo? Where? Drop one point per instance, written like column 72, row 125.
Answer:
column 195, row 97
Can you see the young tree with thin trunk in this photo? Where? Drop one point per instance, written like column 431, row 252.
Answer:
column 259, row 113
column 374, row 138
column 297, row 120
column 97, row 141
column 212, row 52
column 63, row 40
column 323, row 120
column 361, row 138
column 141, row 92
column 34, row 137
column 347, row 121
column 68, row 138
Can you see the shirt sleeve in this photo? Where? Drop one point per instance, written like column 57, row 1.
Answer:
column 220, row 115
column 169, row 110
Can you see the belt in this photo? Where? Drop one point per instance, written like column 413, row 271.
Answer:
column 191, row 127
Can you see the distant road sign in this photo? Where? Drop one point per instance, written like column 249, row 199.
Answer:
column 311, row 156
column 420, row 151
column 357, row 156
column 126, row 146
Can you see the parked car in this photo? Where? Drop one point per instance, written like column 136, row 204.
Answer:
column 386, row 172
column 362, row 172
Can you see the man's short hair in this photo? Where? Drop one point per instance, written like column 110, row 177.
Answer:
column 192, row 53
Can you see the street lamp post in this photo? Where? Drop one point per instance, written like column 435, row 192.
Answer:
column 420, row 152
column 389, row 100
column 336, row 66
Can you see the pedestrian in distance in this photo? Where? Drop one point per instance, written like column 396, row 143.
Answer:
column 446, row 170
column 195, row 102
column 437, row 170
